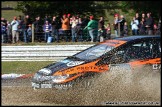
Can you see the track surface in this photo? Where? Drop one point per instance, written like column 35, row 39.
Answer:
column 139, row 85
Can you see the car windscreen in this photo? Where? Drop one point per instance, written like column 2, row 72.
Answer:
column 94, row 52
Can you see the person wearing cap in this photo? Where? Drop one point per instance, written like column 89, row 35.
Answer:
column 92, row 28
column 15, row 32
column 68, row 15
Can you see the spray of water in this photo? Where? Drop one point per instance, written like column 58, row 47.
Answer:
column 136, row 85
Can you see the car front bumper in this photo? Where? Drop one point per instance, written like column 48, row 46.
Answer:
column 50, row 85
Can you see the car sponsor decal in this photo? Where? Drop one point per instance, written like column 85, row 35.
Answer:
column 65, row 61
column 74, row 63
column 89, row 67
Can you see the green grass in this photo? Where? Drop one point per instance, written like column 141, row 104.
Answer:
column 9, row 14
column 8, row 4
column 23, row 67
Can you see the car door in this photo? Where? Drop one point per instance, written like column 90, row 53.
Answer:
column 134, row 53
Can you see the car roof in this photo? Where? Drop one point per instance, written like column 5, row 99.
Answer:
column 130, row 38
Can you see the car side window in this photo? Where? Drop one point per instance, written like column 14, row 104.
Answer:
column 119, row 56
column 134, row 51
column 157, row 49
column 140, row 50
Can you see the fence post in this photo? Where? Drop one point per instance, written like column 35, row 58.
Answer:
column 32, row 33
column 118, row 29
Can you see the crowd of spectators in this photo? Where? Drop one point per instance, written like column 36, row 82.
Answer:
column 74, row 28
column 139, row 25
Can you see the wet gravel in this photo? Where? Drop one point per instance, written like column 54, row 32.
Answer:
column 138, row 85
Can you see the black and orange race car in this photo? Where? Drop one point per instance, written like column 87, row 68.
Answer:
column 132, row 50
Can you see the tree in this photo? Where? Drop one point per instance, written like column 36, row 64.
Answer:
column 96, row 8
column 143, row 6
column 41, row 8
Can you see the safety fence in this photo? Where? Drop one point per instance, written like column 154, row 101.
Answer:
column 40, row 53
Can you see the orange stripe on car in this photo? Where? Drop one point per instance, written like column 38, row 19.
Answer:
column 147, row 61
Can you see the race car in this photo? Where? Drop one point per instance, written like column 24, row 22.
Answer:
column 132, row 50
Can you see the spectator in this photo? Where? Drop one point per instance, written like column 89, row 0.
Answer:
column 20, row 26
column 134, row 25
column 55, row 28
column 74, row 23
column 85, row 21
column 27, row 21
column 47, row 28
column 125, row 29
column 9, row 33
column 149, row 24
column 79, row 30
column 3, row 32
column 68, row 16
column 15, row 32
column 101, row 29
column 143, row 16
column 4, row 21
column 37, row 24
column 116, row 19
column 121, row 21
column 29, row 33
column 108, row 31
column 92, row 28
column 142, row 29
column 65, row 26
column 137, row 17
column 47, row 18
column 38, row 28
column 155, row 29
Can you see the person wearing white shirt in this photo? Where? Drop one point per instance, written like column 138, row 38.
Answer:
column 15, row 32
column 134, row 26
column 74, row 23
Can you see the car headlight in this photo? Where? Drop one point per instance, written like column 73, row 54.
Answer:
column 59, row 78
column 45, row 71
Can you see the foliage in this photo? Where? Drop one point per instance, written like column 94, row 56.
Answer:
column 143, row 7
column 41, row 8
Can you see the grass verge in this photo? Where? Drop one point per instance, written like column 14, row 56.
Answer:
column 23, row 67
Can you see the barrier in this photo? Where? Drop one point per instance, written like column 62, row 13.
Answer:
column 40, row 53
